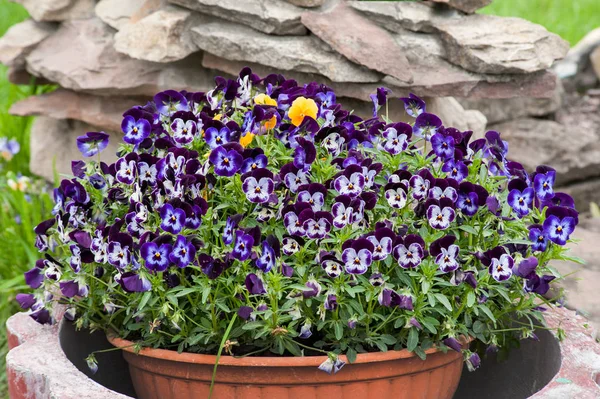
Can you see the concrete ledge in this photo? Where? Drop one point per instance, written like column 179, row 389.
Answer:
column 38, row 368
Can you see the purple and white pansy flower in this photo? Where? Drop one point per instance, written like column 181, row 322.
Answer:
column 440, row 213
column 259, row 186
column 357, row 255
column 382, row 240
column 445, row 253
column 92, row 143
column 396, row 137
column 409, row 251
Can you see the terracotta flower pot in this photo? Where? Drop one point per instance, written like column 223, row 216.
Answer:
column 159, row 373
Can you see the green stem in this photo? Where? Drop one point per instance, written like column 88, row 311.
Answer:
column 223, row 340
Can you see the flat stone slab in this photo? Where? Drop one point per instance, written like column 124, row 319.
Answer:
column 20, row 39
column 302, row 54
column 163, row 36
column 359, row 40
column 90, row 63
column 269, row 16
column 58, row 10
column 38, row 368
column 105, row 113
column 117, row 13
column 499, row 45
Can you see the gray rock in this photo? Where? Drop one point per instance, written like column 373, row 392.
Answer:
column 80, row 56
column 534, row 142
column 104, row 112
column 269, row 16
column 58, row 10
column 595, row 58
column 163, row 36
column 302, row 54
column 117, row 13
column 578, row 57
column 504, row 109
column 359, row 40
column 500, row 45
column 583, row 193
column 396, row 16
column 53, row 146
column 20, row 39
column 468, row 6
column 452, row 113
column 307, row 3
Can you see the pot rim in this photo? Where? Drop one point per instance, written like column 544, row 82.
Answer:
column 265, row 361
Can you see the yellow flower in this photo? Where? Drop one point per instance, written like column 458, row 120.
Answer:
column 302, row 107
column 264, row 99
column 246, row 139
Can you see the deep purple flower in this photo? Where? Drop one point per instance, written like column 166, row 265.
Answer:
column 332, row 366
column 217, row 137
column 390, row 298
column 382, row 240
column 156, row 257
column 539, row 240
column 526, row 268
column 293, row 225
column 446, row 253
column 266, row 261
column 314, row 194
column 396, row 137
column 456, row 170
column 172, row 219
column 537, row 284
column 453, row 343
column 315, row 224
column 501, row 268
column 260, row 161
column 242, row 249
column 135, row 131
column 230, row 226
column 126, row 171
column 443, row 145
column 415, row 323
column 521, row 201
column 226, row 163
column 409, row 251
column 254, row 284
column 132, row 282
column 426, row 125
column 42, row 316
column 92, row 143
column 543, row 184
column 440, row 218
column 183, row 131
column 34, row 278
column 358, row 256
column 351, row 186
column 183, row 252
column 331, row 264
column 118, row 255
column 493, row 205
column 413, row 105
column 305, row 153
column 305, row 330
column 170, row 101
column 474, row 361
column 313, row 288
column 495, row 146
column 470, row 198
column 210, row 266
column 25, row 301
column 258, row 189
column 379, row 99
column 331, row 302
column 558, row 230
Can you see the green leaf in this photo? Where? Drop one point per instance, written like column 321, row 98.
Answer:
column 338, row 330
column 468, row 229
column 478, row 327
column 145, row 298
column 442, row 298
column 413, row 339
column 252, row 325
column 425, row 285
column 185, row 291
column 388, row 339
column 351, row 355
column 488, row 312
column 421, row 353
column 470, row 299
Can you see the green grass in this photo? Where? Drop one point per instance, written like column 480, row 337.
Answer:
column 571, row 19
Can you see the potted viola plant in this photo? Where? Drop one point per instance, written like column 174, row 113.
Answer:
column 263, row 228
